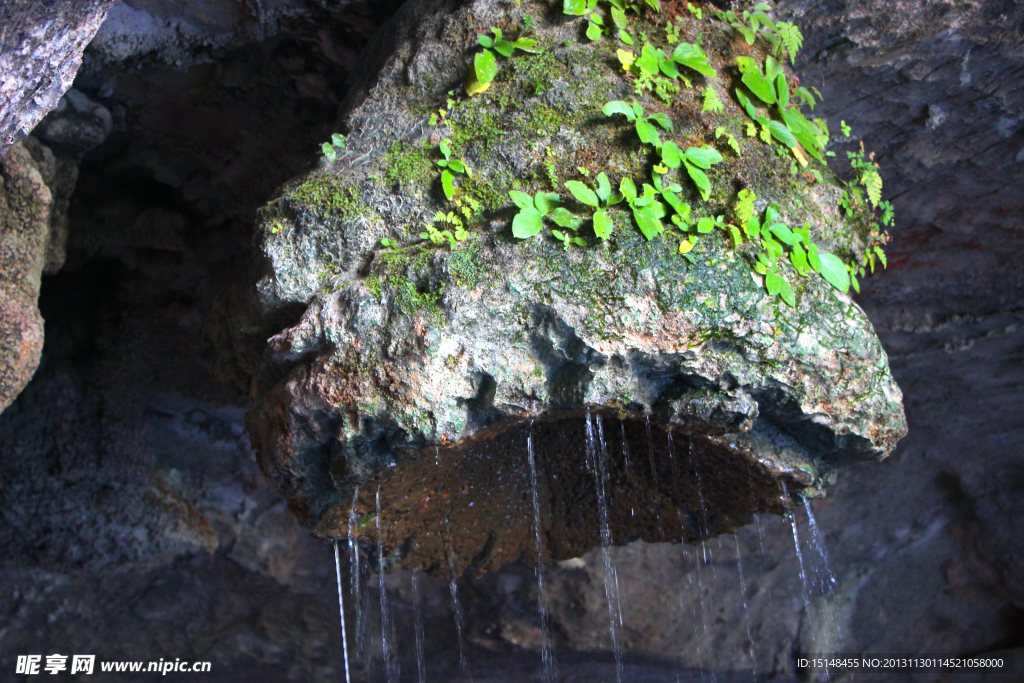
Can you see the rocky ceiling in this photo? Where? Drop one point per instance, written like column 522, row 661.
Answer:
column 133, row 521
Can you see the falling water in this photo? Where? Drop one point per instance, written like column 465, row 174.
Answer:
column 746, row 607
column 386, row 633
column 341, row 611
column 702, row 560
column 358, row 589
column 453, row 587
column 596, row 456
column 418, row 626
column 654, row 477
column 547, row 654
column 819, row 546
column 625, row 447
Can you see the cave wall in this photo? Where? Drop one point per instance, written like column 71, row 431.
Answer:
column 131, row 511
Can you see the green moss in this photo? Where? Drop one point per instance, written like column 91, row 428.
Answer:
column 407, row 166
column 466, row 266
column 326, row 194
column 400, row 272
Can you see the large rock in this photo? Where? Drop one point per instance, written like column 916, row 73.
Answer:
column 41, row 47
column 34, row 189
column 419, row 372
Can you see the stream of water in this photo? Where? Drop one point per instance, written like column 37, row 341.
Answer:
column 341, row 611
column 550, row 672
column 417, row 606
column 387, row 634
column 596, row 463
column 453, row 588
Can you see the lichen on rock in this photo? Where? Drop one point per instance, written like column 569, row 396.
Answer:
column 419, row 371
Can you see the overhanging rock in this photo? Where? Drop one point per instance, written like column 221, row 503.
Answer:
column 417, row 374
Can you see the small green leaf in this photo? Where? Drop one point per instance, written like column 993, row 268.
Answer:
column 582, row 193
column 799, row 259
column 700, row 179
column 649, row 225
column 522, row 200
column 504, row 48
column 753, row 79
column 338, row 140
column 566, row 219
column 781, row 133
column 881, row 256
column 486, row 67
column 446, row 150
column 329, row 152
column 602, row 224
column 485, row 40
column 625, row 37
column 782, row 90
column 527, row 223
column 747, row 105
column 575, row 7
column 670, row 155
column 648, row 133
column 834, row 270
column 772, row 68
column 457, row 166
column 628, row 189
column 705, row 225
column 737, row 238
column 786, row 292
column 648, row 60
column 447, row 184
column 784, row 234
column 546, row 201
column 669, row 68
column 558, row 235
column 704, row 157
column 526, row 45
column 619, row 107
column 593, row 31
column 619, row 18
column 604, row 188
column 772, row 283
column 662, row 120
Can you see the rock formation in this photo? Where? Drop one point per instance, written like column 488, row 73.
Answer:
column 41, row 45
column 411, row 364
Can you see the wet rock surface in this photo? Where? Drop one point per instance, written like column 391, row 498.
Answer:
column 925, row 543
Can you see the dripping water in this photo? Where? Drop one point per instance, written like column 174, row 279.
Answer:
column 386, row 633
column 701, row 560
column 341, row 611
column 453, row 587
column 359, row 589
column 746, row 607
column 597, row 464
column 547, row 654
column 421, row 669
column 654, row 478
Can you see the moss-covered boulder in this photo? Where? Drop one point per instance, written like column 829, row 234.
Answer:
column 667, row 392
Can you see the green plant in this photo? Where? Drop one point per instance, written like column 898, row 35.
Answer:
column 695, row 11
column 711, row 101
column 721, row 132
column 330, row 149
column 451, row 167
column 784, row 37
column 532, row 212
column 867, row 174
column 646, row 129
column 695, row 160
column 388, row 243
column 485, row 65
column 772, row 88
column 454, row 236
column 658, row 72
column 647, row 209
column 601, row 197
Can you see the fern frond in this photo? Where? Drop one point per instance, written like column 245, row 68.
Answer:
column 872, row 182
column 711, row 101
column 791, row 37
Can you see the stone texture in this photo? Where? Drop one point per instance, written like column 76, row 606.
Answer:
column 41, row 45
column 401, row 353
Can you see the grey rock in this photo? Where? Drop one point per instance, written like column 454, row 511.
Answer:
column 41, row 46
